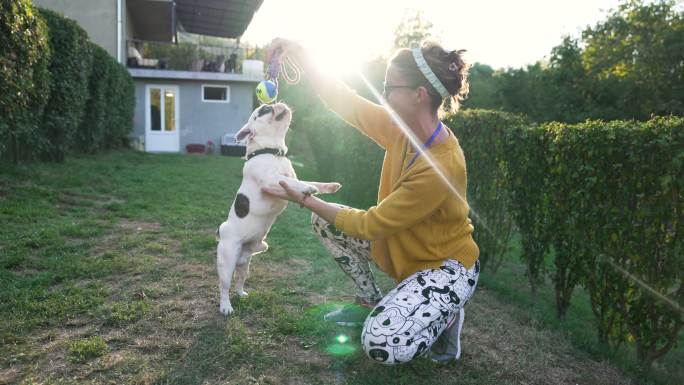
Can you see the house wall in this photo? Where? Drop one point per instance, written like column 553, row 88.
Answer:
column 199, row 121
column 97, row 17
column 129, row 32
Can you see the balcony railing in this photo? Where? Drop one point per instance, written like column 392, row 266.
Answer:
column 184, row 57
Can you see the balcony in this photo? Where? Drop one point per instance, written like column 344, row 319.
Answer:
column 185, row 57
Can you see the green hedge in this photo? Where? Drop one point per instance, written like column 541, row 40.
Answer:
column 481, row 134
column 344, row 155
column 64, row 93
column 121, row 103
column 105, row 124
column 609, row 198
column 90, row 135
column 24, row 78
column 617, row 189
column 70, row 68
column 525, row 181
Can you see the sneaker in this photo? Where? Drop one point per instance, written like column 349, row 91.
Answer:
column 440, row 358
column 350, row 315
column 448, row 346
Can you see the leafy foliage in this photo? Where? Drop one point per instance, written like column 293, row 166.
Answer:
column 24, row 78
column 64, row 93
column 69, row 69
column 608, row 197
column 629, row 66
column 481, row 134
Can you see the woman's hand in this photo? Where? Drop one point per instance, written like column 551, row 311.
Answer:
column 285, row 46
column 287, row 193
column 325, row 210
column 291, row 48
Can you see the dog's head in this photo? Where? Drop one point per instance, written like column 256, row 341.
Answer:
column 267, row 125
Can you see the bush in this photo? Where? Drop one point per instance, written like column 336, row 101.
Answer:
column 106, row 124
column 617, row 206
column 608, row 197
column 91, row 133
column 69, row 67
column 24, row 78
column 78, row 98
column 120, row 113
column 526, row 179
column 481, row 135
column 342, row 154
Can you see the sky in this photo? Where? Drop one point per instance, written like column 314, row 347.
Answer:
column 342, row 34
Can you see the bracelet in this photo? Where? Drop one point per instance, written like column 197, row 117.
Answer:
column 301, row 202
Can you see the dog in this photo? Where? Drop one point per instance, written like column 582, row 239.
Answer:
column 253, row 213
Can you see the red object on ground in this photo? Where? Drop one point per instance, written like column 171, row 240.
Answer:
column 195, row 148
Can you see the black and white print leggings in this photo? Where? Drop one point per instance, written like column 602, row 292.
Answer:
column 407, row 321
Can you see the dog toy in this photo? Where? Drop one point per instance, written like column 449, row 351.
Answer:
column 267, row 90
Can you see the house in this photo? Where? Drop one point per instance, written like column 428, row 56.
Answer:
column 188, row 92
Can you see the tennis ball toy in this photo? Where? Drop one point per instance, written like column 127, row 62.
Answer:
column 267, row 91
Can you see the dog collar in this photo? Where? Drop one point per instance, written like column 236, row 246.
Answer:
column 272, row 151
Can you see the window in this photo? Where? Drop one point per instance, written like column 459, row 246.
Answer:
column 216, row 94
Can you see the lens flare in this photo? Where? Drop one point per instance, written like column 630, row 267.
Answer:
column 341, row 347
column 419, row 147
column 342, row 339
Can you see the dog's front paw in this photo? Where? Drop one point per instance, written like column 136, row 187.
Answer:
column 242, row 294
column 330, row 188
column 226, row 309
column 310, row 190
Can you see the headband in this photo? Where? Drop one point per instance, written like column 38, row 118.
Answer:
column 427, row 72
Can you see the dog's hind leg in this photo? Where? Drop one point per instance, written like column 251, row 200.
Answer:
column 242, row 267
column 227, row 255
column 241, row 273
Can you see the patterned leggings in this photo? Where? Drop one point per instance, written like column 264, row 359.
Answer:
column 407, row 321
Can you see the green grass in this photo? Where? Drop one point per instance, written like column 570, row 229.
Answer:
column 87, row 348
column 107, row 274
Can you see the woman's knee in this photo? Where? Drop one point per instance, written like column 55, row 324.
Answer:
column 390, row 338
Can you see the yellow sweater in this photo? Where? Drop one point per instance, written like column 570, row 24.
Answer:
column 418, row 222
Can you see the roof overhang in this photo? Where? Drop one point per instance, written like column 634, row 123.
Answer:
column 223, row 18
column 157, row 20
column 152, row 20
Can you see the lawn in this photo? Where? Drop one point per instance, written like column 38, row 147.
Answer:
column 107, row 275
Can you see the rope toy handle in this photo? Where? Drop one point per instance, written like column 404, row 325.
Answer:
column 279, row 64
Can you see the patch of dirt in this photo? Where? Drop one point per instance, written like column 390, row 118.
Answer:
column 124, row 227
column 139, row 225
column 495, row 338
column 10, row 375
column 74, row 200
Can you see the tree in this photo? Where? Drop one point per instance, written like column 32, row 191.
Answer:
column 482, row 88
column 629, row 66
column 638, row 56
column 412, row 30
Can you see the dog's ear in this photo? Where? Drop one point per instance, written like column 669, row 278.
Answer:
column 245, row 134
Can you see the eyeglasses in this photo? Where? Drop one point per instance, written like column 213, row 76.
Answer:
column 387, row 88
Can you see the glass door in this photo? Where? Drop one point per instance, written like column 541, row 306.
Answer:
column 161, row 132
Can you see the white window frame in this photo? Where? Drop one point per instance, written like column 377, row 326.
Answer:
column 173, row 137
column 216, row 86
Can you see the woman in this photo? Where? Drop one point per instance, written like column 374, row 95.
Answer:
column 419, row 233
